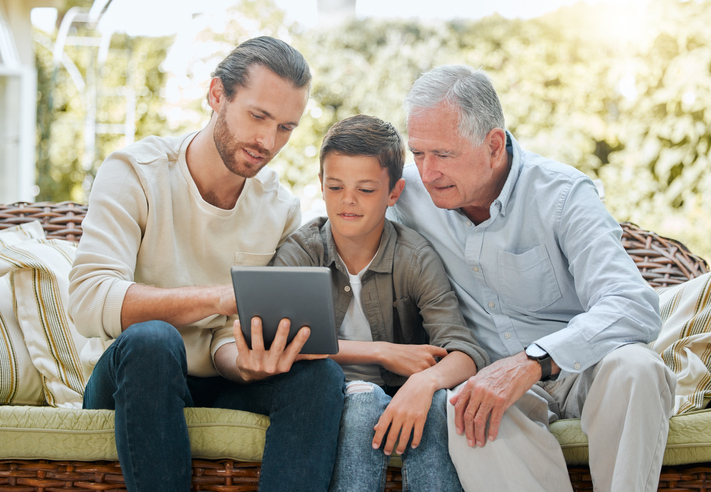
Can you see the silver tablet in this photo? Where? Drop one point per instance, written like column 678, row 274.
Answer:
column 301, row 294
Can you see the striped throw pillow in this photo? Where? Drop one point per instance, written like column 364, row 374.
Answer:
column 40, row 270
column 20, row 382
column 685, row 341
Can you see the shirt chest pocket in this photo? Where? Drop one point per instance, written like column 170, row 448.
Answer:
column 527, row 279
column 252, row 259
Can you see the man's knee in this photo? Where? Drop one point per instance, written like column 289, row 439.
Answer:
column 154, row 341
column 635, row 364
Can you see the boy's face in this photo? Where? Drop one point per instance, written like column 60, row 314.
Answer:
column 357, row 193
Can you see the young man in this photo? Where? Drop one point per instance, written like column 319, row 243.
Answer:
column 167, row 219
column 391, row 297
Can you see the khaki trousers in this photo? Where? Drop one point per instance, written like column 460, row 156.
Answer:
column 624, row 403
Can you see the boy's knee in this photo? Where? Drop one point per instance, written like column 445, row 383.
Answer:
column 151, row 339
column 355, row 387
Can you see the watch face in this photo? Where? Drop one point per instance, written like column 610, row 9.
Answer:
column 535, row 351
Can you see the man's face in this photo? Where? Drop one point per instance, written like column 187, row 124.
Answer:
column 252, row 128
column 456, row 173
column 356, row 190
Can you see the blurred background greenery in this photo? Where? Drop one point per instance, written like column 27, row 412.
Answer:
column 624, row 101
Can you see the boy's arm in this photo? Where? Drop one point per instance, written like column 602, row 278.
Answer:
column 404, row 360
column 407, row 412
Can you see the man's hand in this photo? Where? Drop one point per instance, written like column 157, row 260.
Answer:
column 487, row 395
column 407, row 360
column 258, row 363
column 405, row 415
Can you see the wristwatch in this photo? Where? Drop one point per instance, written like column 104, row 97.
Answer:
column 534, row 352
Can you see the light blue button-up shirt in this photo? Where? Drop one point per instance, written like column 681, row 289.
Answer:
column 547, row 267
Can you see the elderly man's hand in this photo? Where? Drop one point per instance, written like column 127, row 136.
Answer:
column 486, row 396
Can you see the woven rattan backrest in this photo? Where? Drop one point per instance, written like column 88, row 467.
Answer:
column 662, row 261
column 59, row 220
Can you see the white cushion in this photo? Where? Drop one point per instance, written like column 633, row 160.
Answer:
column 685, row 340
column 40, row 269
column 20, row 382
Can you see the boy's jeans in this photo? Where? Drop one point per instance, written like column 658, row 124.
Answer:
column 359, row 467
column 143, row 376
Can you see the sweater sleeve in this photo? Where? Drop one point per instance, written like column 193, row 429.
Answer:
column 106, row 258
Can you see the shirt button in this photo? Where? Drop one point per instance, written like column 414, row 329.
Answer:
column 507, row 334
column 492, row 304
column 469, row 224
column 347, row 288
column 576, row 365
column 476, row 269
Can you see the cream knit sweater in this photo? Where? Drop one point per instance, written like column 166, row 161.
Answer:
column 148, row 223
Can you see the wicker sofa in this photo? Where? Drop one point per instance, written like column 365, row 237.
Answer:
column 45, row 448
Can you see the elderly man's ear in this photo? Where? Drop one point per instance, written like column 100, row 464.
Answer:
column 496, row 139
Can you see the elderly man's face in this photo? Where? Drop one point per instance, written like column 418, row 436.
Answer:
column 456, row 173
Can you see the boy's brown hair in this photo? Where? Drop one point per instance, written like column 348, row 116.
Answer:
column 367, row 136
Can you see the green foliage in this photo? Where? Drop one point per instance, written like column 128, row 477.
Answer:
column 622, row 97
column 65, row 168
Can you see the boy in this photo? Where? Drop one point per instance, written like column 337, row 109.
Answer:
column 392, row 297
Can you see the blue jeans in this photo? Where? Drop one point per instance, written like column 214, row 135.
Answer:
column 359, row 467
column 143, row 377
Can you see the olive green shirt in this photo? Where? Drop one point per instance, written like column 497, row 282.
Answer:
column 406, row 295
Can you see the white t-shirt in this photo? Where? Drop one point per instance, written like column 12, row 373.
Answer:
column 355, row 327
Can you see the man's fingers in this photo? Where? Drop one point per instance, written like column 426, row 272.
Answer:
column 495, row 421
column 240, row 342
column 469, row 414
column 480, row 420
column 461, row 402
column 293, row 349
column 257, row 337
column 281, row 337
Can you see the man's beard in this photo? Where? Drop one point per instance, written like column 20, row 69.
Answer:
column 228, row 147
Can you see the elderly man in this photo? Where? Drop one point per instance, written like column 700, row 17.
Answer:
column 549, row 291
column 167, row 219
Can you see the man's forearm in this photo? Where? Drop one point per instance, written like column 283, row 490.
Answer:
column 225, row 358
column 179, row 306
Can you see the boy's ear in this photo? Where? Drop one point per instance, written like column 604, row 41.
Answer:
column 396, row 191
column 320, row 180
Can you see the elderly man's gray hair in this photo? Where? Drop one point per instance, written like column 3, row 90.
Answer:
column 470, row 92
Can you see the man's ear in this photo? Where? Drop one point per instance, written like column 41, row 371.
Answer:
column 320, row 180
column 396, row 192
column 216, row 94
column 497, row 144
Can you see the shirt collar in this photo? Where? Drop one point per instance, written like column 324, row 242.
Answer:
column 383, row 261
column 512, row 147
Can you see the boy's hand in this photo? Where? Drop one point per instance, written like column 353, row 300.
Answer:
column 258, row 363
column 405, row 415
column 407, row 360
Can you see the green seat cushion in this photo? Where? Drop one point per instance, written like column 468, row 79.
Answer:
column 30, row 433
column 88, row 435
column 689, row 440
